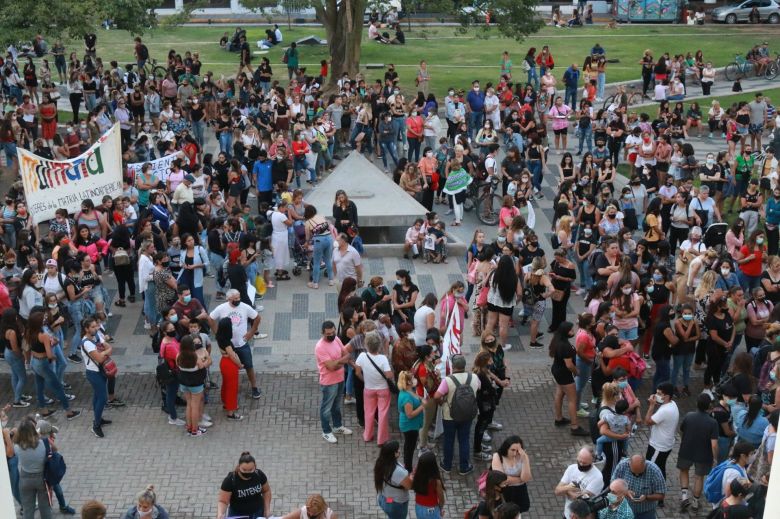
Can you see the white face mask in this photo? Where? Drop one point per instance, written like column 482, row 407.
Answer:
column 627, row 290
column 659, row 399
column 429, row 154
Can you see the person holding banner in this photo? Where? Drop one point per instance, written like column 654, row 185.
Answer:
column 145, row 181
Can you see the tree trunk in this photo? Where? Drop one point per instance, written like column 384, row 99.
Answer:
column 344, row 28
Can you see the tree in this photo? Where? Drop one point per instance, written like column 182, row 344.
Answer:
column 514, row 19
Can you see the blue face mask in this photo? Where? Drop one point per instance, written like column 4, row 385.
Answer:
column 658, row 278
column 773, row 376
column 187, row 299
column 174, row 319
column 612, row 498
column 623, row 384
column 687, row 317
column 731, row 401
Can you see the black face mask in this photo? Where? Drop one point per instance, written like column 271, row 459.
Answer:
column 166, row 264
column 583, row 468
column 172, row 333
column 330, row 338
column 235, row 303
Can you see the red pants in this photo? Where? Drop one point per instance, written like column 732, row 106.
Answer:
column 229, row 389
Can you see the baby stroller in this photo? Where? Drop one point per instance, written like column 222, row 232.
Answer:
column 299, row 250
column 715, row 236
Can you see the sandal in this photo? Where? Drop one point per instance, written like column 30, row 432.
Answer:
column 283, row 277
column 120, row 302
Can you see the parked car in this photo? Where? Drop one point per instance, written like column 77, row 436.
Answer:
column 769, row 11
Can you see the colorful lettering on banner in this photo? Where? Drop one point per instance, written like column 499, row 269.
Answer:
column 53, row 184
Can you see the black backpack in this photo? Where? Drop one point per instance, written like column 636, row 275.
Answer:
column 463, row 405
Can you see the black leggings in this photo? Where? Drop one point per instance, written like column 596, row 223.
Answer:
column 410, row 443
column 559, row 310
column 483, row 420
column 701, row 352
column 657, row 457
column 124, row 276
column 359, row 386
column 677, row 235
column 75, row 103
column 773, row 237
column 646, row 80
column 716, row 356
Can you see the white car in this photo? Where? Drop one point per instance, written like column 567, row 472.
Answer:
column 768, row 10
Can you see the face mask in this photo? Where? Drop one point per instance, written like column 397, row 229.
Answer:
column 731, row 401
column 396, row 92
column 330, row 338
column 658, row 277
column 187, row 299
column 759, row 241
column 460, row 294
column 612, row 498
column 773, row 376
column 166, row 264
column 523, row 180
column 587, row 232
column 451, row 92
column 69, row 130
column 612, row 315
column 235, row 303
column 83, row 126
column 174, row 319
column 583, row 468
column 414, row 114
column 476, row 89
column 429, row 154
column 710, row 162
column 622, row 384
column 148, row 513
column 163, row 127
column 52, row 305
column 627, row 290
column 659, row 399
column 725, row 272
column 649, row 289
column 171, row 333
column 611, row 216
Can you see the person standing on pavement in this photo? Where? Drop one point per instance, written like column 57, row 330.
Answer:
column 580, row 480
column 571, row 79
column 331, row 357
column 146, row 506
column 445, row 394
column 662, row 416
column 758, row 119
column 698, row 449
column 475, row 106
column 646, row 485
column 346, row 261
column 93, row 359
column 31, row 451
column 374, row 369
column 240, row 314
column 392, row 482
column 245, row 491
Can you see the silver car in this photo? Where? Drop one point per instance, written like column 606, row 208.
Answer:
column 769, row 11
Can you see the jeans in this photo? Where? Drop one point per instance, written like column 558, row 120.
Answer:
column 650, row 514
column 601, row 81
column 682, row 363
column 393, row 509
column 661, row 375
column 215, row 263
column 414, row 149
column 60, row 496
column 18, row 373
column 32, row 489
column 90, row 101
column 150, row 307
column 61, row 363
column 170, row 398
column 76, row 315
column 533, row 78
column 399, row 129
column 535, row 167
column 10, row 153
column 585, row 136
column 462, row 430
column 226, row 143
column 46, row 377
column 583, row 375
column 424, row 512
column 99, row 383
column 747, row 282
column 13, row 473
column 330, row 407
column 323, row 251
column 475, row 123
column 571, row 93
column 198, row 128
column 388, row 148
column 587, row 281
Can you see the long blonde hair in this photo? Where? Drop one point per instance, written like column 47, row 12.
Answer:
column 706, row 285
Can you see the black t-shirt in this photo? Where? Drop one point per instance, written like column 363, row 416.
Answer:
column 697, row 426
column 601, row 262
column 743, row 384
column 616, row 125
column 721, row 415
column 404, row 296
column 723, row 326
column 526, row 255
column 661, row 347
column 371, row 296
column 562, row 352
column 246, row 495
column 196, row 114
column 279, row 170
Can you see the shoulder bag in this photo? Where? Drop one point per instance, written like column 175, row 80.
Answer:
column 391, row 385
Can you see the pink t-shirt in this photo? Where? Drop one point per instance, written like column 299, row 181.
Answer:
column 586, row 344
column 507, row 214
column 325, row 351
column 559, row 116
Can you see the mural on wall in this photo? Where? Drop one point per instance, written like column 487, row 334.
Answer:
column 646, row 10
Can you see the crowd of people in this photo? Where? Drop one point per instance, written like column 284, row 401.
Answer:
column 676, row 268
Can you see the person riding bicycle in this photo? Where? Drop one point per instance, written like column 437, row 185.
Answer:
column 141, row 53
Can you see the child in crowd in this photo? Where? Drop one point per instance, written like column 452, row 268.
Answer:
column 618, row 422
column 413, row 239
column 174, row 252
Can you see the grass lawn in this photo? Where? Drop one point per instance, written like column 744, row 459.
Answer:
column 458, row 59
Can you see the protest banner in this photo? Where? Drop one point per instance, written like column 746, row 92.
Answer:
column 160, row 167
column 53, row 184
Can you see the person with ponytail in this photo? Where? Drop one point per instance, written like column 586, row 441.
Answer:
column 245, row 491
column 146, row 506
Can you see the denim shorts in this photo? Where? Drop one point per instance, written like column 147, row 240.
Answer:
column 195, row 390
column 631, row 334
column 245, row 356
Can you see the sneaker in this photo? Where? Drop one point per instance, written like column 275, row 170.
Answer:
column 684, row 504
column 48, row 401
column 695, row 504
column 441, row 468
column 206, row 417
column 47, row 413
column 328, row 437
column 235, row 416
column 495, row 426
column 581, row 291
column 73, row 414
column 115, row 403
column 67, row 510
column 103, row 422
column 21, row 404
column 259, row 308
column 562, row 422
column 204, row 423
column 147, row 326
column 177, row 422
column 448, row 212
column 349, row 400
column 110, row 314
column 66, row 387
column 213, row 385
column 423, row 450
column 197, row 432
column 507, row 347
column 486, row 437
column 466, row 472
column 583, row 405
column 482, row 456
column 261, row 336
column 70, row 398
column 342, row 430
column 594, row 400
column 26, row 398
column 486, row 448
column 76, row 358
column 536, row 344
column 583, row 413
column 97, row 431
column 600, row 458
column 255, row 393
column 579, row 431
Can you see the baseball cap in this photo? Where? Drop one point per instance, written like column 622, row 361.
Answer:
column 51, row 262
column 189, row 178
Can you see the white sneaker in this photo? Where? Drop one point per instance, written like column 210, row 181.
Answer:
column 178, row 422
column 259, row 335
column 342, row 430
column 204, row 423
column 147, row 326
column 507, row 347
column 259, row 308
column 349, row 400
column 207, row 417
column 329, row 438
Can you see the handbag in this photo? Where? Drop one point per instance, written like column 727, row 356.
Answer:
column 483, row 293
column 391, row 385
column 121, row 257
column 54, row 468
column 108, row 367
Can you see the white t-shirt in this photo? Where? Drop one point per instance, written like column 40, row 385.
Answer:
column 728, row 476
column 420, row 323
column 239, row 316
column 89, row 346
column 590, row 481
column 662, row 433
column 346, row 262
column 372, row 378
column 660, row 92
column 707, row 205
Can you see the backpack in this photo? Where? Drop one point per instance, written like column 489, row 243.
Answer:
column 713, row 485
column 463, row 405
column 636, row 365
column 592, row 270
column 555, row 242
column 286, row 56
column 593, row 422
column 54, row 468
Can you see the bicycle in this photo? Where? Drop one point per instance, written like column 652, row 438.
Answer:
column 739, row 68
column 153, row 70
column 623, row 99
column 773, row 69
column 483, row 196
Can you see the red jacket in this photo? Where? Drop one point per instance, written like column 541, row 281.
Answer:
column 5, row 298
column 300, row 148
column 549, row 62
